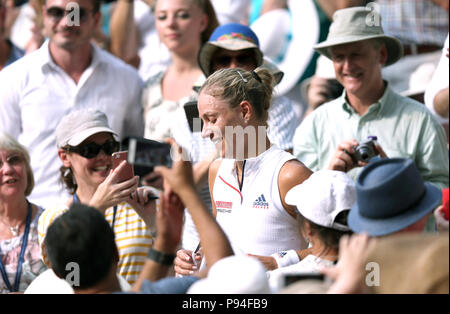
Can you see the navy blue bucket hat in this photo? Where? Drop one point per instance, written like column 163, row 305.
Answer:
column 391, row 195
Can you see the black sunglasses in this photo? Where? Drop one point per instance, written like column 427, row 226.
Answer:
column 241, row 59
column 91, row 150
column 57, row 13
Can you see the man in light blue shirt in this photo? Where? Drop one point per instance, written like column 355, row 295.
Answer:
column 326, row 139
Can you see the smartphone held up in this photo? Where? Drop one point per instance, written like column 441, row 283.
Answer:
column 126, row 172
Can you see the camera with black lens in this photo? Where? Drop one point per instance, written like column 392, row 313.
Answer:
column 366, row 150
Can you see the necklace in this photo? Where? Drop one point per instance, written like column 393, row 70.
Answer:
column 13, row 229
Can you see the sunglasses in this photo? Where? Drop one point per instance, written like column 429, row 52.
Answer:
column 57, row 13
column 242, row 59
column 91, row 150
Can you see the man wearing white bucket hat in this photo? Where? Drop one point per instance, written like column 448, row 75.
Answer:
column 328, row 138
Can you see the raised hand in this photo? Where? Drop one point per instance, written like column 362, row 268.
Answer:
column 110, row 192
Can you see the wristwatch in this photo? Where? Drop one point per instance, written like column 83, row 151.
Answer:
column 160, row 257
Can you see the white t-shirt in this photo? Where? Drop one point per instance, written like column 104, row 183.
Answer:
column 231, row 11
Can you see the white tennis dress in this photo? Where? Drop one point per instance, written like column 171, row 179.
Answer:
column 252, row 215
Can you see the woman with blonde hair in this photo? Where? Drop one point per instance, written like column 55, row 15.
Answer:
column 20, row 258
column 249, row 184
column 183, row 26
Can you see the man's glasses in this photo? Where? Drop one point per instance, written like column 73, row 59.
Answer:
column 57, row 13
column 91, row 150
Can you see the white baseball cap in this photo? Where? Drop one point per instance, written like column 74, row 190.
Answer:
column 78, row 125
column 323, row 196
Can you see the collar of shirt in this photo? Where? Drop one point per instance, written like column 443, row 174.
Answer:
column 252, row 164
column 46, row 60
column 374, row 109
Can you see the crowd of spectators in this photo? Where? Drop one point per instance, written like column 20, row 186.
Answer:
column 308, row 139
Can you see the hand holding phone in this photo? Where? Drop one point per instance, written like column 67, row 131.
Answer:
column 127, row 172
column 118, row 186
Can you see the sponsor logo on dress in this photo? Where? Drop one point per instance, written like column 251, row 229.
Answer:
column 261, row 202
column 224, row 207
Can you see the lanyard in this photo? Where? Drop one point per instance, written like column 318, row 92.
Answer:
column 76, row 200
column 22, row 255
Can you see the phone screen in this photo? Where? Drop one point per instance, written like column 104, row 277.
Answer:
column 127, row 172
column 191, row 111
column 145, row 154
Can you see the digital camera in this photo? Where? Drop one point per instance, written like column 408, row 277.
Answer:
column 366, row 149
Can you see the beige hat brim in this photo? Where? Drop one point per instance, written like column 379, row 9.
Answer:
column 393, row 45
column 210, row 48
column 80, row 137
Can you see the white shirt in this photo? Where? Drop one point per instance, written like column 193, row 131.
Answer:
column 154, row 55
column 35, row 94
column 438, row 82
column 253, row 217
column 231, row 11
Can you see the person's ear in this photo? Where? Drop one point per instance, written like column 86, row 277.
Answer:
column 64, row 156
column 204, row 22
column 383, row 55
column 97, row 19
column 308, row 230
column 246, row 110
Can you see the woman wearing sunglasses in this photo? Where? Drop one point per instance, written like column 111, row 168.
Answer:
column 85, row 146
column 20, row 259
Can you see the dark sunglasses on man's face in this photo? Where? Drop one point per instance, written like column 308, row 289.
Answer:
column 57, row 13
column 91, row 150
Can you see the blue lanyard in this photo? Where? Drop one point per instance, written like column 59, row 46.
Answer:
column 22, row 255
column 76, row 200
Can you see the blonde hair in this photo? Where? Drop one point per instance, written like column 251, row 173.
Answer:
column 237, row 85
column 8, row 143
column 208, row 9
